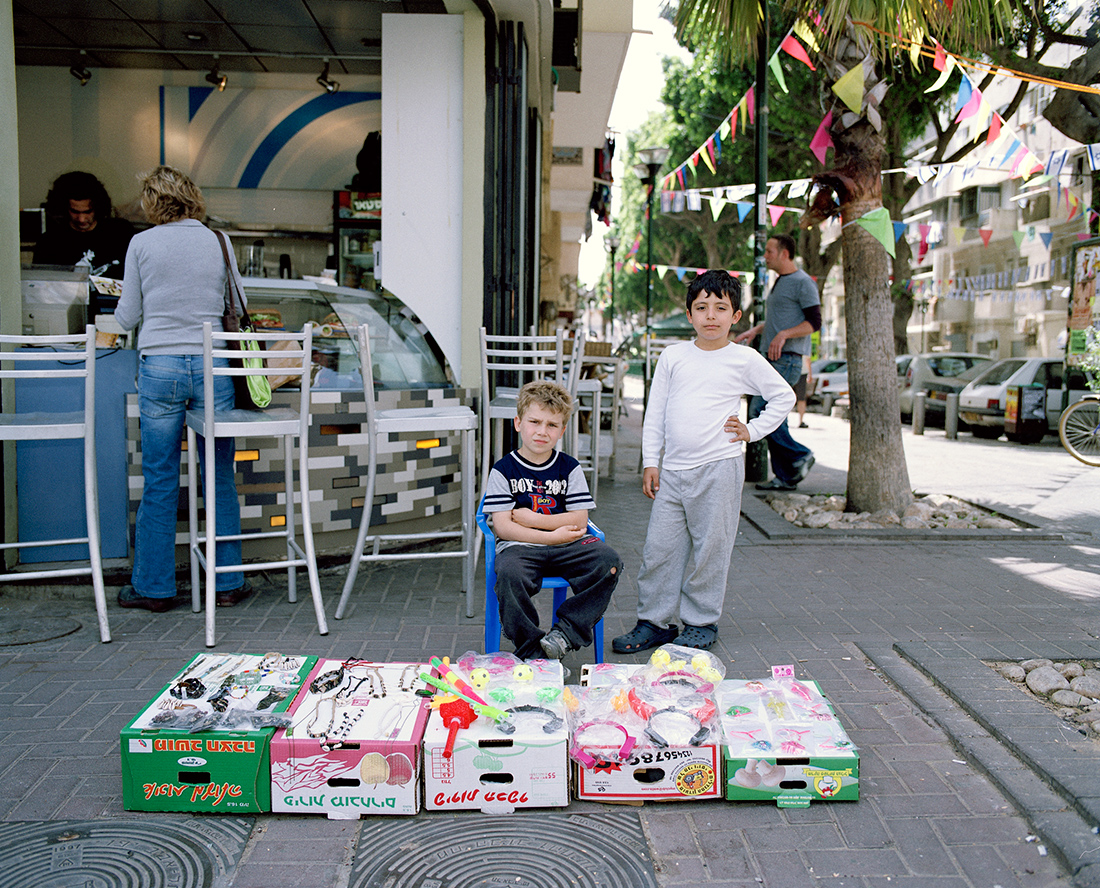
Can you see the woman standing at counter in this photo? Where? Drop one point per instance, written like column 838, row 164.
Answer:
column 175, row 280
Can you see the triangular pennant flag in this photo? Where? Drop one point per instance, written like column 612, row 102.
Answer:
column 706, row 155
column 775, row 189
column 680, row 176
column 822, row 140
column 994, row 129
column 808, row 37
column 1017, row 160
column 743, row 209
column 973, row 104
column 940, row 60
column 899, row 230
column 717, row 140
column 793, row 48
column 1093, row 152
column 692, row 163
column 717, row 204
column 944, row 74
column 777, row 73
column 849, row 88
column 986, row 234
column 750, row 102
column 916, row 46
column 1011, row 151
column 742, row 108
column 959, row 233
column 798, row 188
column 965, row 92
column 1046, row 237
column 724, row 129
column 1018, row 236
column 879, row 225
column 776, row 213
column 1075, row 206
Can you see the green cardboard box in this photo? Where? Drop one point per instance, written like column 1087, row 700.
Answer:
column 783, row 741
column 166, row 767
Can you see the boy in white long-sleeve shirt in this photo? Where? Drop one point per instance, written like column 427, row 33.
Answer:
column 693, row 409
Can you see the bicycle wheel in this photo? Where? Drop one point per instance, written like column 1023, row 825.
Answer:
column 1079, row 429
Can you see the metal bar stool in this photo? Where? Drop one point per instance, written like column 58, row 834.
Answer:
column 280, row 422
column 382, row 426
column 24, row 358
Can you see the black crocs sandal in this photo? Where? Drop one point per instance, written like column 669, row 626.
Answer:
column 642, row 637
column 700, row 637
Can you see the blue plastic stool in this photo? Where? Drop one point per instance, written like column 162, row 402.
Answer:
column 492, row 606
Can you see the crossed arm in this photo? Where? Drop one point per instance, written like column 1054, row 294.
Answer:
column 528, row 526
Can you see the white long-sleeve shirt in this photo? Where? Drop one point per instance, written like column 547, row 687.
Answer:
column 694, row 392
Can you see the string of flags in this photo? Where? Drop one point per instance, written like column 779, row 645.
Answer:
column 1005, row 147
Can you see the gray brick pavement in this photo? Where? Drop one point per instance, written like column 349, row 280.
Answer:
column 929, row 813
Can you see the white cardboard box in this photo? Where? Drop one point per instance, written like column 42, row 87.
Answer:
column 495, row 772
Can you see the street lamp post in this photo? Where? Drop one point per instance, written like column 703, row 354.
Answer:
column 923, row 305
column 652, row 159
column 611, row 244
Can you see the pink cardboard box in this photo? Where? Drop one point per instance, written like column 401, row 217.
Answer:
column 354, row 746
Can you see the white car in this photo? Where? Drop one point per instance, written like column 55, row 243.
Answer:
column 982, row 402
column 829, row 376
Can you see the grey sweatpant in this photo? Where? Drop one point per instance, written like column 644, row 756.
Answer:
column 689, row 543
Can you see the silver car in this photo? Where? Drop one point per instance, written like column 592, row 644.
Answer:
column 982, row 402
column 933, row 367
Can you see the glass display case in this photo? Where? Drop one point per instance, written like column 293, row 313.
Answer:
column 404, row 354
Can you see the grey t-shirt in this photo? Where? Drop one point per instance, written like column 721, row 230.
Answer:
column 790, row 295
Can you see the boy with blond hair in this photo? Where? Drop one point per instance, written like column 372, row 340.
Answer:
column 539, row 502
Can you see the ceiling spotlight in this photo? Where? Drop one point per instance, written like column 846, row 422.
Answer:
column 81, row 73
column 216, row 77
column 322, row 78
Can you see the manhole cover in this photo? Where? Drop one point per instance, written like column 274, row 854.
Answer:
column 152, row 853
column 16, row 629
column 518, row 851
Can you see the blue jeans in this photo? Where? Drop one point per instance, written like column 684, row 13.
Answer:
column 784, row 450
column 168, row 386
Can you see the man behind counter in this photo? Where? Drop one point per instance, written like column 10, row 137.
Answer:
column 79, row 221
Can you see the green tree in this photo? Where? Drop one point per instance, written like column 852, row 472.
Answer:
column 877, row 473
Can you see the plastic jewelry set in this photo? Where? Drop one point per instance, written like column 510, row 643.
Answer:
column 626, row 711
column 222, row 692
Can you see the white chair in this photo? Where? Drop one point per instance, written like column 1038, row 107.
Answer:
column 280, row 422
column 507, row 363
column 653, row 349
column 591, row 401
column 25, row 358
column 430, row 423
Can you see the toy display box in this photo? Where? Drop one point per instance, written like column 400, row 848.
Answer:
column 203, row 743
column 496, row 770
column 353, row 746
column 649, row 733
column 784, row 742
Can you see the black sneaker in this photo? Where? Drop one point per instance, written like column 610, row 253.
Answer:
column 776, row 484
column 802, row 468
column 554, row 644
column 128, row 596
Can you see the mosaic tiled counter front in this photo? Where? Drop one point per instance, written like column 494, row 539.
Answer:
column 414, row 482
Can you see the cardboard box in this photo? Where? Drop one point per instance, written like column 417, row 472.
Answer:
column 675, row 773
column 221, row 771
column 372, row 766
column 784, row 742
column 495, row 772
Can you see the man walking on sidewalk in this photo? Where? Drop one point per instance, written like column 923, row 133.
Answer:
column 793, row 312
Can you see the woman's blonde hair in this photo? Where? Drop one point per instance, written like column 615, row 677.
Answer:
column 168, row 195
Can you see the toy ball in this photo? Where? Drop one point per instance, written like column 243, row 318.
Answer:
column 523, row 672
column 660, row 658
column 678, row 665
column 700, row 662
column 709, row 673
column 479, row 678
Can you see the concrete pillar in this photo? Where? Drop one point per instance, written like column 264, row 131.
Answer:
column 951, row 419
column 918, row 413
column 11, row 294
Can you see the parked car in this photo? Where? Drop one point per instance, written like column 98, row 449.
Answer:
column 982, row 402
column 830, row 377
column 942, row 368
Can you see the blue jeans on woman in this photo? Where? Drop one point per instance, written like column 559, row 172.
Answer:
column 169, row 386
column 785, row 452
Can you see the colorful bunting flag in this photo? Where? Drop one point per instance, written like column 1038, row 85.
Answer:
column 777, row 73
column 1018, row 237
column 879, row 225
column 822, row 140
column 849, row 88
column 994, row 129
column 986, row 234
column 776, row 213
column 795, row 49
column 743, row 209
